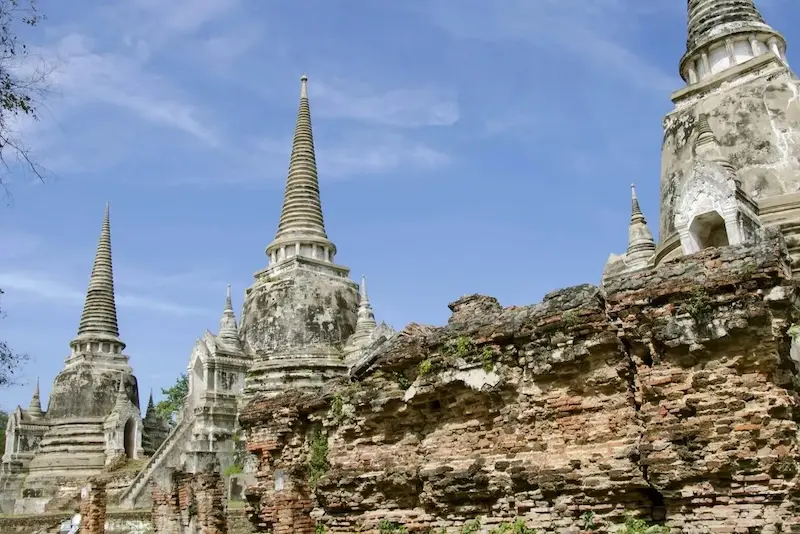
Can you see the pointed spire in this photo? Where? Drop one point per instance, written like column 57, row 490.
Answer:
column 707, row 146
column 636, row 211
column 35, row 407
column 99, row 317
column 641, row 245
column 714, row 21
column 228, row 335
column 365, row 324
column 705, row 134
column 301, row 229
column 151, row 407
column 122, row 394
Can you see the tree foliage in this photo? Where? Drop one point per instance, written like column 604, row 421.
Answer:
column 174, row 398
column 10, row 361
column 21, row 85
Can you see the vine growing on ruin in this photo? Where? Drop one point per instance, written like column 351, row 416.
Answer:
column 317, row 463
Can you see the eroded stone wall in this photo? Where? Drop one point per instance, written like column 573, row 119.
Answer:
column 669, row 395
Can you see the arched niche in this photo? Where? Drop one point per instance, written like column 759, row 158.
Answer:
column 708, row 230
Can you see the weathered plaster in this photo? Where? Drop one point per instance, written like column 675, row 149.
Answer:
column 758, row 127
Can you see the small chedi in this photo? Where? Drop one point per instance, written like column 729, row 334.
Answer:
column 93, row 417
column 664, row 398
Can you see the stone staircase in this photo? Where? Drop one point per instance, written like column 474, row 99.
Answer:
column 165, row 454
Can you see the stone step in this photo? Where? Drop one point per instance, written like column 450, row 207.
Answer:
column 175, row 438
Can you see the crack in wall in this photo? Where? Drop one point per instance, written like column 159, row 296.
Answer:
column 657, row 505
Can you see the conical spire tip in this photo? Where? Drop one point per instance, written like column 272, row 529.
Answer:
column 228, row 301
column 303, row 86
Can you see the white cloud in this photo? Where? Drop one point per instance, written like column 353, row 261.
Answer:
column 389, row 154
column 355, row 155
column 115, row 67
column 45, row 287
column 125, row 276
column 404, row 107
column 159, row 24
column 591, row 31
column 86, row 77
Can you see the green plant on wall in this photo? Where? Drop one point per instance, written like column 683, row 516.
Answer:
column 471, row 527
column 424, row 367
column 391, row 527
column 239, row 455
column 337, row 406
column 317, row 463
column 587, row 521
column 466, row 349
column 517, row 527
column 487, row 359
column 640, row 526
column 698, row 305
column 233, row 469
column 570, row 318
column 460, row 347
column 401, row 379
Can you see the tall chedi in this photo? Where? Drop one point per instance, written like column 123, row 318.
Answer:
column 93, row 410
column 738, row 81
column 302, row 308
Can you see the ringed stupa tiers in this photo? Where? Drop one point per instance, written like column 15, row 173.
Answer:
column 301, row 309
column 301, row 228
column 741, row 92
column 730, row 167
column 297, row 330
column 92, row 416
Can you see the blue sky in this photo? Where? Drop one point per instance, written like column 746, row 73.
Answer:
column 464, row 146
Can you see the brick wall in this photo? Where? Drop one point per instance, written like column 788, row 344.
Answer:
column 668, row 395
column 185, row 502
column 93, row 509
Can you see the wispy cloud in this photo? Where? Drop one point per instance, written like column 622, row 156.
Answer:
column 84, row 76
column 593, row 32
column 45, row 287
column 135, row 277
column 403, row 107
column 358, row 154
column 389, row 154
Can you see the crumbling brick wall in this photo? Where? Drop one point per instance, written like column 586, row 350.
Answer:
column 287, row 505
column 166, row 507
column 93, row 509
column 668, row 395
column 192, row 500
